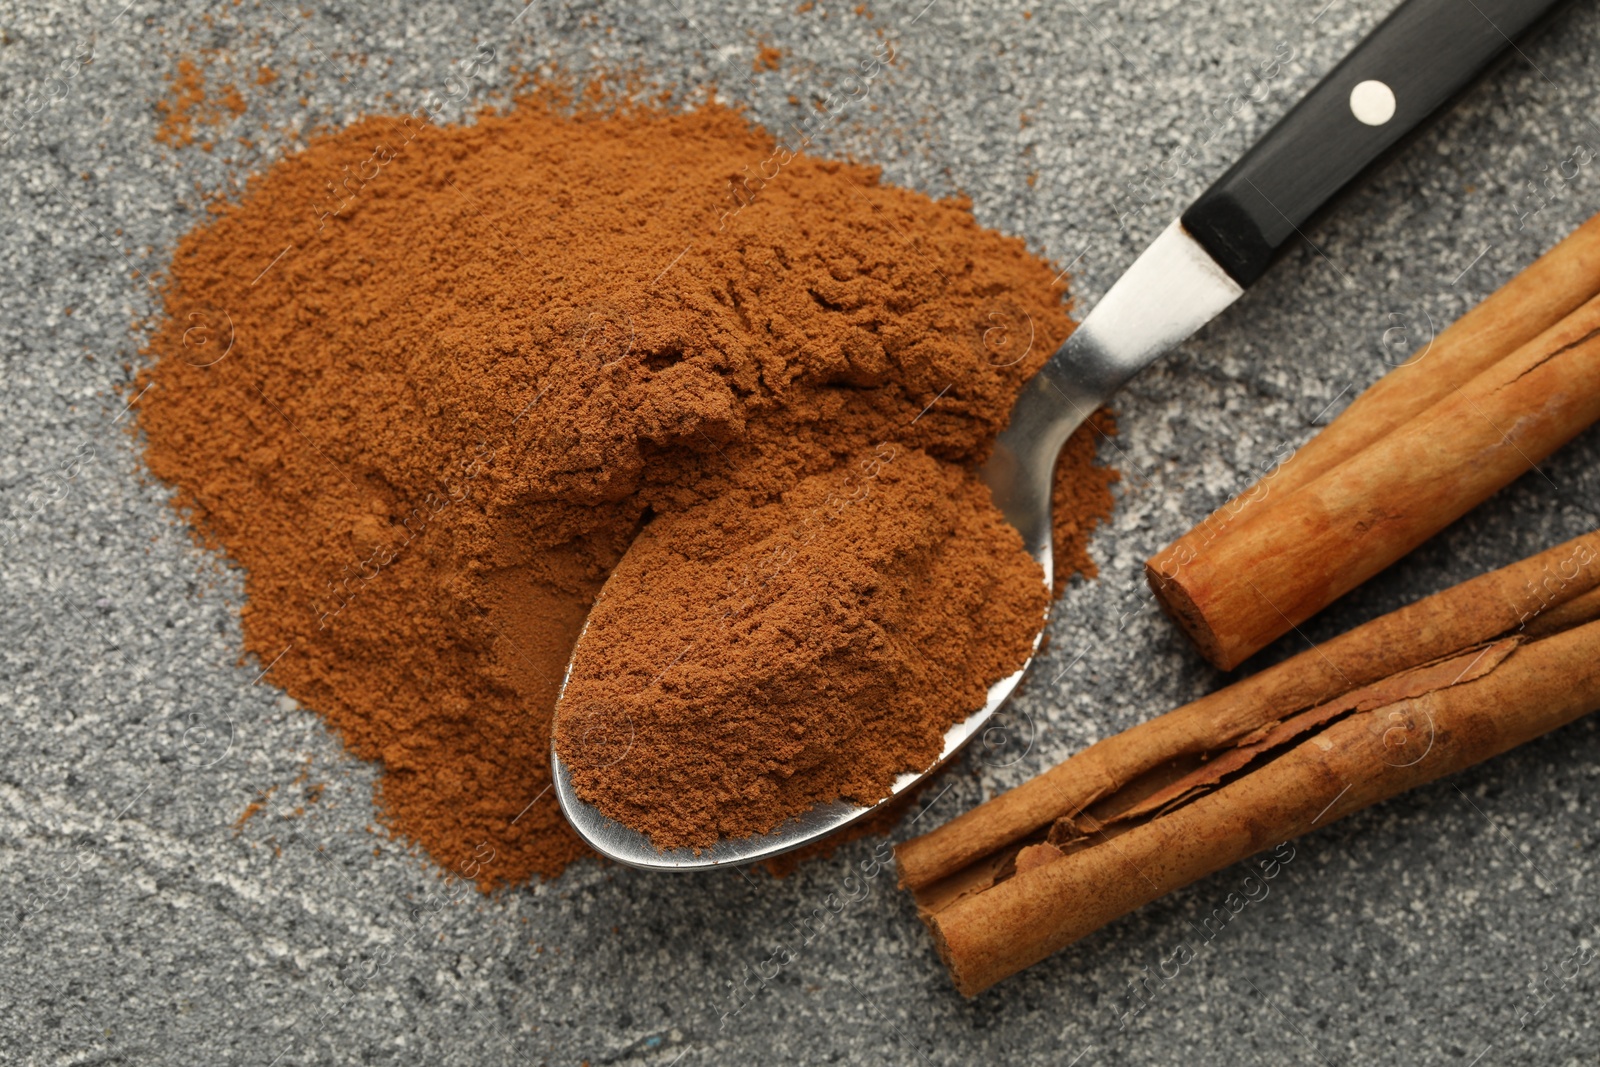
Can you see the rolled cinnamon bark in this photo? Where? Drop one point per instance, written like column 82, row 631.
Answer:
column 1054, row 891
column 1422, row 692
column 1267, row 575
column 1529, row 594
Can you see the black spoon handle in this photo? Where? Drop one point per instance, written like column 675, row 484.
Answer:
column 1419, row 58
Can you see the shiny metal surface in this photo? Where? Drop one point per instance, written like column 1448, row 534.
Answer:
column 1171, row 290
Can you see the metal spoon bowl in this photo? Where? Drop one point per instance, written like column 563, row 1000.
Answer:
column 1171, row 290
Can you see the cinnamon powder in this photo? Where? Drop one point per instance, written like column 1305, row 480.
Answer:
column 426, row 384
column 744, row 664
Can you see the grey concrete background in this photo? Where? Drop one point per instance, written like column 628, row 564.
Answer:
column 142, row 922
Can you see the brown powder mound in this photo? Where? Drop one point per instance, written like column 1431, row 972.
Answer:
column 426, row 383
column 744, row 664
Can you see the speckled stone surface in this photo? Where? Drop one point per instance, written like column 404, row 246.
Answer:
column 143, row 919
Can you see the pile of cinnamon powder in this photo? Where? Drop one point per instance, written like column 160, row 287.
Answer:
column 427, row 384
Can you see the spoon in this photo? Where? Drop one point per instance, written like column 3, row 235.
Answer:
column 1406, row 70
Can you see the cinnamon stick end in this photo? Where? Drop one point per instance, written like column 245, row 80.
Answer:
column 1165, row 576
column 910, row 875
column 964, row 986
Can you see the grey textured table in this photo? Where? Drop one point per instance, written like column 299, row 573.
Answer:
column 142, row 922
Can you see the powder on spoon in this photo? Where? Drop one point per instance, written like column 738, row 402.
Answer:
column 744, row 664
column 426, row 384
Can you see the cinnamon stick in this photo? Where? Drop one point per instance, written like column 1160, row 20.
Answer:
column 1524, row 595
column 1269, row 574
column 1153, row 822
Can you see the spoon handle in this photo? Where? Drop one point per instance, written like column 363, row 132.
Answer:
column 1426, row 53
